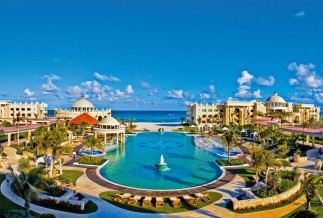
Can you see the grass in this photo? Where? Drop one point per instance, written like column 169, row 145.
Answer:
column 315, row 204
column 247, row 174
column 109, row 195
column 71, row 175
column 6, row 204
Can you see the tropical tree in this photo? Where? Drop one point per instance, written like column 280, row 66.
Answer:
column 94, row 143
column 281, row 151
column 229, row 140
column 258, row 159
column 199, row 120
column 312, row 185
column 38, row 141
column 269, row 161
column 23, row 184
column 83, row 125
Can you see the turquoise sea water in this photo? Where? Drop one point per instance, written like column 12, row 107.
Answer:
column 134, row 164
column 145, row 116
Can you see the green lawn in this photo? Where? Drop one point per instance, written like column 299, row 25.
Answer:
column 109, row 195
column 316, row 204
column 247, row 174
column 71, row 175
column 6, row 204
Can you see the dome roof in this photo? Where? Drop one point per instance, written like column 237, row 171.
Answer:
column 275, row 99
column 83, row 103
column 109, row 121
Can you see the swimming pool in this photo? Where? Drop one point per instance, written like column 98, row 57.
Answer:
column 133, row 164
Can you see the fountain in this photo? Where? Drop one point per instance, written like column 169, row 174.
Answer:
column 161, row 166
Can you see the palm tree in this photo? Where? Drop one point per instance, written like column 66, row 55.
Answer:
column 268, row 162
column 229, row 140
column 312, row 184
column 258, row 159
column 199, row 120
column 23, row 184
column 83, row 125
column 93, row 143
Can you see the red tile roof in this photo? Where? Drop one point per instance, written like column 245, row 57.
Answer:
column 85, row 117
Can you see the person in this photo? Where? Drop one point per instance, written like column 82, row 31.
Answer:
column 8, row 178
column 74, row 154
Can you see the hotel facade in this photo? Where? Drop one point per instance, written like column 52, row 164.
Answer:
column 22, row 111
column 244, row 112
column 79, row 107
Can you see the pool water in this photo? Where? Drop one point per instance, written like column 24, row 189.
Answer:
column 133, row 164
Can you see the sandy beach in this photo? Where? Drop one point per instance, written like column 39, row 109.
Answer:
column 155, row 126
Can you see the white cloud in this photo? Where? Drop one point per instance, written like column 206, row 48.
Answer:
column 293, row 82
column 144, row 85
column 265, row 82
column 75, row 91
column 175, row 94
column 129, row 89
column 301, row 69
column 308, row 81
column 105, row 77
column 256, row 94
column 95, row 87
column 313, row 81
column 205, row 96
column 245, row 78
column 50, row 87
column 29, row 93
column 300, row 14
column 244, row 83
column 153, row 91
column 211, row 88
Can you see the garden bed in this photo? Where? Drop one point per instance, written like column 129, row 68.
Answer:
column 233, row 162
column 88, row 160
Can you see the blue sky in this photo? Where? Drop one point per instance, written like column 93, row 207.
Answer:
column 159, row 55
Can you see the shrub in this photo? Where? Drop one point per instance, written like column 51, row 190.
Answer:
column 306, row 214
column 91, row 160
column 3, row 154
column 265, row 192
column 233, row 162
column 56, row 191
column 285, row 185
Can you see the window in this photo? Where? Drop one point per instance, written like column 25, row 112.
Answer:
column 23, row 109
column 209, row 110
column 28, row 109
column 221, row 111
column 203, row 110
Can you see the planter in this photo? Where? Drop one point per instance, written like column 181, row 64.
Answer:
column 297, row 158
column 317, row 164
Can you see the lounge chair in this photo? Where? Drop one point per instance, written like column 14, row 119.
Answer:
column 122, row 198
column 203, row 197
column 190, row 200
column 159, row 202
column 176, row 202
column 146, row 202
column 134, row 200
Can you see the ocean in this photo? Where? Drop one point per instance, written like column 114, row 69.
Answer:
column 145, row 116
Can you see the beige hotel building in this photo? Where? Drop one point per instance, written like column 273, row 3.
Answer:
column 243, row 112
column 22, row 111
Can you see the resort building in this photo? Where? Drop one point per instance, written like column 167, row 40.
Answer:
column 79, row 107
column 244, row 112
column 20, row 112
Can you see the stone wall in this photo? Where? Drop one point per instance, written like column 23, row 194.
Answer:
column 265, row 202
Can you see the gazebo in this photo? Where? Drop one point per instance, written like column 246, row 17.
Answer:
column 109, row 126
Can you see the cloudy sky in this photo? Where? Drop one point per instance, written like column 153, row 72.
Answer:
column 159, row 55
